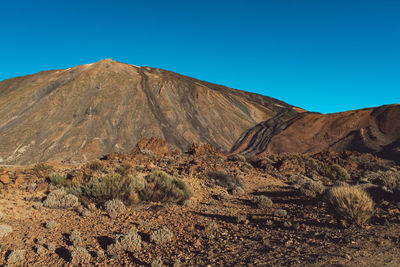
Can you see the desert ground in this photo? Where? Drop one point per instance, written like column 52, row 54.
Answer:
column 265, row 211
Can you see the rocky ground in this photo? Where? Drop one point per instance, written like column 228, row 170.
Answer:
column 218, row 226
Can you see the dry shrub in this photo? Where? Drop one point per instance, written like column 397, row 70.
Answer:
column 114, row 207
column 350, row 204
column 237, row 157
column 165, row 188
column 42, row 169
column 59, row 199
column 161, row 236
column 16, row 256
column 80, row 256
column 388, row 180
column 157, row 262
column 307, row 186
column 112, row 186
column 130, row 242
column 75, row 238
column 5, row 230
column 331, row 171
column 263, row 202
column 225, row 179
column 56, row 178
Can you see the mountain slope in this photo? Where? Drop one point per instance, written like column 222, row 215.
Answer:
column 374, row 130
column 86, row 111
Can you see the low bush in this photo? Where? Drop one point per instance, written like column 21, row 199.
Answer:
column 163, row 187
column 111, row 186
column 225, row 179
column 59, row 199
column 75, row 238
column 56, row 178
column 263, row 202
column 388, row 180
column 5, row 230
column 307, row 186
column 350, row 205
column 16, row 257
column 161, row 236
column 80, row 256
column 130, row 242
column 114, row 207
column 42, row 169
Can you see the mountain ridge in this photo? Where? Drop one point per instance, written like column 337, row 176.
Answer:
column 373, row 130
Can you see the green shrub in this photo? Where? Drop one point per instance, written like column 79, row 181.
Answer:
column 56, row 178
column 41, row 169
column 350, row 204
column 165, row 188
column 111, row 186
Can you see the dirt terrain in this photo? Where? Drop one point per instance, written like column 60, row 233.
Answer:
column 219, row 225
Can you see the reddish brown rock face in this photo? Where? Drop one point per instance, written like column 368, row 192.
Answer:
column 375, row 130
column 89, row 110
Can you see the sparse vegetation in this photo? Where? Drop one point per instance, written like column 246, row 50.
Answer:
column 42, row 169
column 59, row 199
column 75, row 238
column 5, row 230
column 350, row 204
column 307, row 186
column 112, row 186
column 56, row 178
column 163, row 187
column 80, row 256
column 114, row 207
column 16, row 256
column 51, row 224
column 263, row 202
column 387, row 180
column 130, row 242
column 161, row 236
column 157, row 262
column 237, row 157
column 225, row 179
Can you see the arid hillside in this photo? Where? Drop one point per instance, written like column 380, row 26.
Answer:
column 89, row 110
column 372, row 130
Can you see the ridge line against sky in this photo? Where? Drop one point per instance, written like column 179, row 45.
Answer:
column 324, row 56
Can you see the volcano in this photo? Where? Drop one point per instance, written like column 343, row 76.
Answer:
column 81, row 113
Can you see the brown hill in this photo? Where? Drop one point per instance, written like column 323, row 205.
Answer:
column 86, row 111
column 373, row 130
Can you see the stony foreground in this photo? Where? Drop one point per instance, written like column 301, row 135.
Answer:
column 218, row 226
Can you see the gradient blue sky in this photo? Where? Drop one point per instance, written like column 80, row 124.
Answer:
column 325, row 56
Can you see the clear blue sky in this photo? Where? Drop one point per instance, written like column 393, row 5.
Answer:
column 326, row 55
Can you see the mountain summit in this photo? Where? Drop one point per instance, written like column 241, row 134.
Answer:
column 83, row 112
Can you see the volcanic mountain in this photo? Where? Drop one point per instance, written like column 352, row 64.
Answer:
column 372, row 130
column 89, row 110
